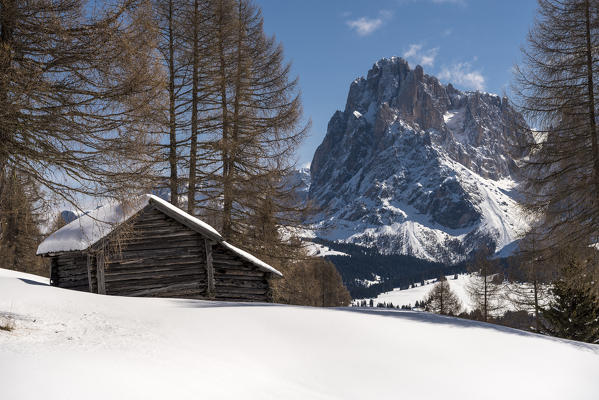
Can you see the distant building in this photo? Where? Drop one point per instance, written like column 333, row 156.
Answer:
column 152, row 248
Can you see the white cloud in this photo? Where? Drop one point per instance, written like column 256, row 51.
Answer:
column 447, row 32
column 365, row 26
column 463, row 75
column 414, row 48
column 416, row 54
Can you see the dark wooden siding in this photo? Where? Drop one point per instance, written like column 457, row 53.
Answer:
column 160, row 257
column 237, row 279
column 69, row 271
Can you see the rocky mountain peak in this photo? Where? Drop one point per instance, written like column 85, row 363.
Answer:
column 408, row 151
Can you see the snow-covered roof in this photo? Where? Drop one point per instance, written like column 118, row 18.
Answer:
column 250, row 258
column 95, row 225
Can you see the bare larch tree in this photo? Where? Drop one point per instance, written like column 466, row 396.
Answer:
column 556, row 85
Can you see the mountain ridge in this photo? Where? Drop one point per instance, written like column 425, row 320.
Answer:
column 411, row 166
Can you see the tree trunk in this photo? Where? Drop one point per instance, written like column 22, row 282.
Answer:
column 591, row 94
column 227, row 184
column 194, row 115
column 7, row 22
column 172, row 157
column 485, row 305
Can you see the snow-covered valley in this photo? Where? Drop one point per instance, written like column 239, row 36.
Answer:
column 73, row 345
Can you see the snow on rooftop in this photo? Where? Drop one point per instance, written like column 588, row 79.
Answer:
column 91, row 227
column 88, row 229
column 183, row 214
column 250, row 258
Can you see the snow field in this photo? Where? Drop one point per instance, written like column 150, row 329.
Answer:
column 72, row 345
column 418, row 293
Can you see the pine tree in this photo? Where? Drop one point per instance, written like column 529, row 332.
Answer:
column 573, row 312
column 442, row 300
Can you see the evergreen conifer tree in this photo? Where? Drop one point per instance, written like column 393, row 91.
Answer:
column 573, row 312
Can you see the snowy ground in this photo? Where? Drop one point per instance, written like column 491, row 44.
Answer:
column 71, row 345
column 410, row 296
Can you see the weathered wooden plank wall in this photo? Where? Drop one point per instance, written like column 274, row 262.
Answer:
column 160, row 257
column 70, row 271
column 237, row 279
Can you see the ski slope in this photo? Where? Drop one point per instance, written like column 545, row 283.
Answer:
column 73, row 345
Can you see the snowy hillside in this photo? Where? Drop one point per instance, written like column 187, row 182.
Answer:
column 415, row 167
column 408, row 297
column 418, row 293
column 73, row 345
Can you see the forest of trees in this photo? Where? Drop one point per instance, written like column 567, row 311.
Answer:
column 190, row 98
column 556, row 88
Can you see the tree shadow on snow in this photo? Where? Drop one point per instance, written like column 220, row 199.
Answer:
column 31, row 282
column 465, row 323
column 192, row 303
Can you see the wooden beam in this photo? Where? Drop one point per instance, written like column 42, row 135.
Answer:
column 53, row 271
column 269, row 293
column 100, row 273
column 210, row 292
column 89, row 272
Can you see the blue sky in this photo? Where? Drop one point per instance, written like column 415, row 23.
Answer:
column 470, row 43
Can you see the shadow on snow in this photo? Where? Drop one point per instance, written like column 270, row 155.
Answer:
column 431, row 318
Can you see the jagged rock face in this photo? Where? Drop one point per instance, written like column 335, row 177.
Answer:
column 298, row 181
column 412, row 166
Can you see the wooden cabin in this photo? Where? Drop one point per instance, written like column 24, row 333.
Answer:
column 152, row 248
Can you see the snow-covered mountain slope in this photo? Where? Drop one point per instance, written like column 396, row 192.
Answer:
column 74, row 345
column 319, row 250
column 409, row 297
column 415, row 167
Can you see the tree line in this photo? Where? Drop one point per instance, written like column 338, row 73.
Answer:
column 555, row 296
column 556, row 88
column 189, row 98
